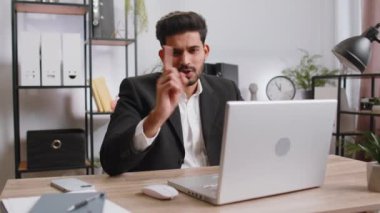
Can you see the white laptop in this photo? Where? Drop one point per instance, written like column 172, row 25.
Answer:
column 268, row 148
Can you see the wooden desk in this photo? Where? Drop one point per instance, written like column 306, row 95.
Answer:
column 344, row 190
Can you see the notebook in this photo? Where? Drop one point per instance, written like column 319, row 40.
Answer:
column 268, row 148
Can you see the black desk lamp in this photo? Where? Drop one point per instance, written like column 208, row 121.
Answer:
column 355, row 52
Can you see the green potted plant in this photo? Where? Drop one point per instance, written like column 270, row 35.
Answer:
column 138, row 7
column 371, row 148
column 302, row 74
column 141, row 14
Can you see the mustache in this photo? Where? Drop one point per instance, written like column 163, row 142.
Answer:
column 184, row 68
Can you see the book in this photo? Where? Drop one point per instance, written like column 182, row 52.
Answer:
column 96, row 97
column 103, row 93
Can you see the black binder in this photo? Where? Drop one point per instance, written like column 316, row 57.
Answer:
column 103, row 24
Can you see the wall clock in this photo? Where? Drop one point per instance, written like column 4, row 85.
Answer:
column 280, row 88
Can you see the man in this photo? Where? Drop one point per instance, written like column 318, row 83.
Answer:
column 172, row 119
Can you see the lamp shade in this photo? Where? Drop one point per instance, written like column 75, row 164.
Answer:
column 355, row 52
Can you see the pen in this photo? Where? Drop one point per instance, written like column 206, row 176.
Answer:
column 88, row 185
column 84, row 202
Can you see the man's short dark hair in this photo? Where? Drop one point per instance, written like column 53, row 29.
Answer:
column 179, row 22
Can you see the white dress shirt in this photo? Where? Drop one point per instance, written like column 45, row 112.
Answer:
column 195, row 151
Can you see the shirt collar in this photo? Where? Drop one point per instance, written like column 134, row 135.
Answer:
column 197, row 92
column 199, row 88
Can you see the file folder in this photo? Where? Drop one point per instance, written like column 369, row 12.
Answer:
column 61, row 202
column 29, row 59
column 72, row 59
column 103, row 19
column 51, row 59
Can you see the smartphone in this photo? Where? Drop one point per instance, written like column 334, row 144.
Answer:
column 71, row 185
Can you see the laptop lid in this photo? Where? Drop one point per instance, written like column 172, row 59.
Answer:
column 274, row 147
column 268, row 148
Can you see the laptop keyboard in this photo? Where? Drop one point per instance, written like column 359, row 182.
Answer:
column 210, row 186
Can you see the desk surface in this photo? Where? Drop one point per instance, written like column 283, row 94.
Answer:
column 344, row 190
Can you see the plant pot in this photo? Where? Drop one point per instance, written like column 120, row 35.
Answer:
column 373, row 176
column 305, row 94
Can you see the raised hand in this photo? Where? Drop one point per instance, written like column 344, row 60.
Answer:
column 169, row 89
column 169, row 86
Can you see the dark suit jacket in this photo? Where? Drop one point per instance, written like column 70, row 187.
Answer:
column 137, row 98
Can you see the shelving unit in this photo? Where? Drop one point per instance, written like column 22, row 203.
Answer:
column 341, row 81
column 85, row 10
column 50, row 8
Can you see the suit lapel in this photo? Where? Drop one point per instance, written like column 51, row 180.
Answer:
column 175, row 122
column 208, row 107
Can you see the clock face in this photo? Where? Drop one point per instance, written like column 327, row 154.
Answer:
column 280, row 88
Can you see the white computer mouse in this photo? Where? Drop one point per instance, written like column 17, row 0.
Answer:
column 160, row 191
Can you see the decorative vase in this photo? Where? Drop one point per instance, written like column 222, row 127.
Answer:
column 373, row 176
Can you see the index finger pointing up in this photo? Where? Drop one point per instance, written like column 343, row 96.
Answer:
column 168, row 57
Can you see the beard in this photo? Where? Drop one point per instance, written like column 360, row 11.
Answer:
column 192, row 81
column 186, row 69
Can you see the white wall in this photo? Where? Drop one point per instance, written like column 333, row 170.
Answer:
column 6, row 113
column 347, row 24
column 261, row 36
